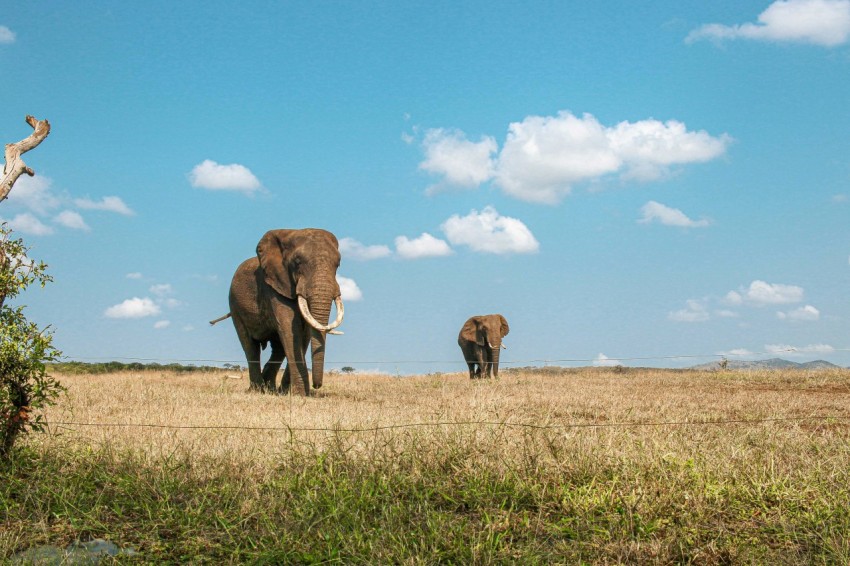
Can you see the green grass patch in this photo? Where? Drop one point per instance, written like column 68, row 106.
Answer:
column 320, row 506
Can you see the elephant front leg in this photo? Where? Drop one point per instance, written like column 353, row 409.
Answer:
column 272, row 366
column 480, row 360
column 296, row 364
column 487, row 370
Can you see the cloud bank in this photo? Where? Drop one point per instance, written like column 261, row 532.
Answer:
column 544, row 157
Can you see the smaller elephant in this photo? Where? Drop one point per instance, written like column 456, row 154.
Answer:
column 480, row 340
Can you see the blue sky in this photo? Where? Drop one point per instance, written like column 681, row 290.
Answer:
column 620, row 180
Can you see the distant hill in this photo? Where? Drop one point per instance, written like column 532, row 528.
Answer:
column 772, row 363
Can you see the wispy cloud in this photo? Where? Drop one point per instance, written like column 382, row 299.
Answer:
column 6, row 35
column 109, row 204
column 820, row 22
column 657, row 212
column 694, row 311
column 604, row 361
column 27, row 223
column 789, row 350
column 350, row 248
column 806, row 313
column 73, row 220
column 233, row 177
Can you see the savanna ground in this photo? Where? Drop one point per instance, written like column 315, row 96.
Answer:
column 614, row 466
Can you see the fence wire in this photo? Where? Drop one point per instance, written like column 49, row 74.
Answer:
column 845, row 421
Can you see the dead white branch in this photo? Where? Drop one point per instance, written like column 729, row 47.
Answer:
column 15, row 166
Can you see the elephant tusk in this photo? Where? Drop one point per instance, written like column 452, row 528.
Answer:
column 336, row 332
column 305, row 312
column 504, row 347
column 340, row 312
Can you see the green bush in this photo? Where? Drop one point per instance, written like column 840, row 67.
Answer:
column 25, row 386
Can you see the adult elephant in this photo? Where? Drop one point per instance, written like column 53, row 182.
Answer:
column 480, row 339
column 283, row 297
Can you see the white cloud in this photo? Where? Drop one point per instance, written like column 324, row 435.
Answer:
column 352, row 249
column 234, row 177
column 821, row 22
column 723, row 313
column 489, row 232
column 425, row 245
column 460, row 162
column 35, row 194
column 188, row 328
column 544, row 156
column 133, row 308
column 733, row 298
column 805, row 313
column 604, row 361
column 762, row 293
column 737, row 352
column 349, row 289
column 798, row 350
column 694, row 311
column 668, row 216
column 26, row 223
column 161, row 289
column 134, row 275
column 649, row 147
column 110, row 204
column 73, row 220
column 162, row 324
column 6, row 35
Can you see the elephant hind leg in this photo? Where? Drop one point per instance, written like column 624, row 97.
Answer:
column 252, row 356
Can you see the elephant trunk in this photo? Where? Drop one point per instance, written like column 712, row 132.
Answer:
column 317, row 309
column 497, row 348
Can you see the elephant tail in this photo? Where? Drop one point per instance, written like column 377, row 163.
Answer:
column 219, row 319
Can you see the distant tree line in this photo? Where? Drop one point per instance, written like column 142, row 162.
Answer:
column 75, row 368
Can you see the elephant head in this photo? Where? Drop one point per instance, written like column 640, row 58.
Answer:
column 481, row 340
column 301, row 266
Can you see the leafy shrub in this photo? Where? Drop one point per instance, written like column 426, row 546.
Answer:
column 25, row 386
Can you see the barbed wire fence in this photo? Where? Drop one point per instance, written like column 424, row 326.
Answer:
column 840, row 420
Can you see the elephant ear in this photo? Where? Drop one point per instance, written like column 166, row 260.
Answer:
column 505, row 327
column 471, row 332
column 272, row 253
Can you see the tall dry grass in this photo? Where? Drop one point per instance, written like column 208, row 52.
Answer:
column 639, row 415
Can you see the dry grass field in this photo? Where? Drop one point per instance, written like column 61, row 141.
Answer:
column 594, row 465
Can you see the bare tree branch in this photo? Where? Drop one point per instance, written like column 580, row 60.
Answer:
column 15, row 166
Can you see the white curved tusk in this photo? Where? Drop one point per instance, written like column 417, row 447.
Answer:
column 340, row 311
column 305, row 312
column 336, row 332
